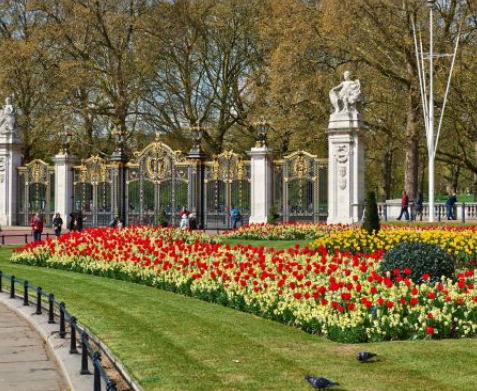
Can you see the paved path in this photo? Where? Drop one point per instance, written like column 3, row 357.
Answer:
column 25, row 364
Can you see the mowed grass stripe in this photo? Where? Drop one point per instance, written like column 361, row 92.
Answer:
column 171, row 342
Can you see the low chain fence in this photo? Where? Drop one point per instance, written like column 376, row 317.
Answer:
column 90, row 346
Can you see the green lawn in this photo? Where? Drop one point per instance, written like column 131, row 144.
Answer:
column 170, row 342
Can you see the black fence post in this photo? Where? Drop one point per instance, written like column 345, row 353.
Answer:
column 26, row 238
column 73, row 349
column 463, row 212
column 1, row 275
column 84, row 354
column 25, row 293
column 38, row 301
column 51, row 313
column 97, row 375
column 3, row 240
column 12, row 287
column 438, row 213
column 62, row 320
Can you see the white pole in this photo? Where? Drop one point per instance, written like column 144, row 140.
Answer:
column 430, row 140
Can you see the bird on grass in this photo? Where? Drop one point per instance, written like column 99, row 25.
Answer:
column 320, row 383
column 365, row 356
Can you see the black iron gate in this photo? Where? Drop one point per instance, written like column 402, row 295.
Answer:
column 227, row 184
column 301, row 187
column 36, row 184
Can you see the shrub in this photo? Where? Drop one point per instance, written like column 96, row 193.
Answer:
column 162, row 219
column 371, row 215
column 273, row 215
column 421, row 259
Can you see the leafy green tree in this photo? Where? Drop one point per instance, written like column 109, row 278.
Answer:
column 371, row 215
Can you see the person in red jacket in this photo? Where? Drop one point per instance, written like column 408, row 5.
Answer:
column 404, row 206
column 36, row 224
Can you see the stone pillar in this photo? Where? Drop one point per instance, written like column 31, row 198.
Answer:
column 262, row 184
column 64, row 188
column 346, row 168
column 10, row 160
column 119, row 196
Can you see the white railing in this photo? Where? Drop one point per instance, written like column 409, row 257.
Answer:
column 463, row 211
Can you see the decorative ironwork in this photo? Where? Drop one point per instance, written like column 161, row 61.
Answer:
column 159, row 181
column 227, row 183
column 301, row 187
column 93, row 195
column 36, row 191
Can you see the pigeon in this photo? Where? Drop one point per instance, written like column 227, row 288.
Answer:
column 320, row 383
column 365, row 356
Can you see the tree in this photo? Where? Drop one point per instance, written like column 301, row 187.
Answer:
column 371, row 215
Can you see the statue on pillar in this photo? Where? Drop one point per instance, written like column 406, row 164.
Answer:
column 345, row 96
column 8, row 122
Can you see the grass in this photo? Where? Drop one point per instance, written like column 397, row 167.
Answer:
column 170, row 342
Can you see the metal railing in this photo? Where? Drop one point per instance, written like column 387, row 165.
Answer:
column 27, row 238
column 75, row 329
column 462, row 211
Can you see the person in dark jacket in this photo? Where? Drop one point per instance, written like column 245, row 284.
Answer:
column 57, row 224
column 418, row 206
column 72, row 223
column 450, row 206
column 404, row 206
column 79, row 221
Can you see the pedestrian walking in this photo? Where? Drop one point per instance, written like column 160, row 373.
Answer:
column 79, row 221
column 72, row 223
column 184, row 218
column 450, row 206
column 404, row 206
column 235, row 216
column 57, row 224
column 36, row 224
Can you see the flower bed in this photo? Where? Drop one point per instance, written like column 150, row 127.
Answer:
column 285, row 231
column 338, row 295
column 460, row 243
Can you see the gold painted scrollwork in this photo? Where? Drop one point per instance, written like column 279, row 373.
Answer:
column 157, row 168
column 301, row 166
column 37, row 172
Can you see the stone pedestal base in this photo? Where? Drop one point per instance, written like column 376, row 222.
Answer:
column 345, row 168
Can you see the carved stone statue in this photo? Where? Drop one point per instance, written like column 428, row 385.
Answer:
column 344, row 96
column 7, row 118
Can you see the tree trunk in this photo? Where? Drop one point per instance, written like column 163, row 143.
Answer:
column 475, row 173
column 387, row 173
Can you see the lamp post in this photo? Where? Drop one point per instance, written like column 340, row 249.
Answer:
column 428, row 97
column 263, row 126
column 120, row 159
column 197, row 157
column 66, row 136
